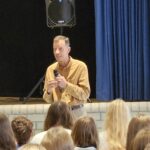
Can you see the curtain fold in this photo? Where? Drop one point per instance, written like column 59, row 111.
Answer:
column 122, row 49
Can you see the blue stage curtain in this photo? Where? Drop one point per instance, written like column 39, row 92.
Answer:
column 122, row 49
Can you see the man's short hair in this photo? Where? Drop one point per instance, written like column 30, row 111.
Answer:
column 61, row 37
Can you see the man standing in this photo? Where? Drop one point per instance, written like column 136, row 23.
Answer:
column 67, row 79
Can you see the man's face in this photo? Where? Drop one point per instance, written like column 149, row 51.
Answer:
column 61, row 51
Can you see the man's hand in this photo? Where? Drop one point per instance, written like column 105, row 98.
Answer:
column 62, row 82
column 50, row 85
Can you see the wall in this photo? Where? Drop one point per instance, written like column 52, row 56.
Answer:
column 38, row 112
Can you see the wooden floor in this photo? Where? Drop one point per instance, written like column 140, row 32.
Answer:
column 17, row 100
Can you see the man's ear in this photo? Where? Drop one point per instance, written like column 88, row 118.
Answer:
column 69, row 49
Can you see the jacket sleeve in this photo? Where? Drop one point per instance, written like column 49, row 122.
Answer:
column 81, row 91
column 47, row 97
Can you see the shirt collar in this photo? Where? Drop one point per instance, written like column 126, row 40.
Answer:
column 66, row 67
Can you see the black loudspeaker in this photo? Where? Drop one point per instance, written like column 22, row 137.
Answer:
column 60, row 13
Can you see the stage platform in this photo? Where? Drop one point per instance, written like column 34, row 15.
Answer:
column 36, row 109
column 18, row 100
column 31, row 100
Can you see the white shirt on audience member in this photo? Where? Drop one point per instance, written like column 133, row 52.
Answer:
column 37, row 139
column 103, row 141
column 86, row 148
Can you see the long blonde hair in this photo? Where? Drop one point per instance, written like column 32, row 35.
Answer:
column 116, row 124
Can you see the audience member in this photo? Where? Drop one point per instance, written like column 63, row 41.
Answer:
column 32, row 147
column 137, row 123
column 57, row 138
column 7, row 139
column 22, row 128
column 116, row 123
column 85, row 135
column 58, row 115
column 147, row 147
column 141, row 139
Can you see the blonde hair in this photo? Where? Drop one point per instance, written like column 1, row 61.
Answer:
column 147, row 147
column 32, row 147
column 141, row 139
column 84, row 133
column 61, row 37
column 57, row 138
column 116, row 124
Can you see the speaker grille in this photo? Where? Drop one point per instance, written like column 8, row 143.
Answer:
column 61, row 13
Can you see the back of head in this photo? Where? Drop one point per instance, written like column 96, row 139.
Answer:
column 32, row 147
column 116, row 123
column 58, row 114
column 84, row 133
column 136, row 124
column 57, row 138
column 132, row 130
column 141, row 139
column 22, row 128
column 144, row 121
column 7, row 139
column 147, row 147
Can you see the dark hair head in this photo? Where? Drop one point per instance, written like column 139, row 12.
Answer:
column 22, row 128
column 84, row 133
column 141, row 139
column 136, row 124
column 58, row 114
column 7, row 139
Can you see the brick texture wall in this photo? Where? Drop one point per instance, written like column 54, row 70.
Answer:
column 37, row 112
